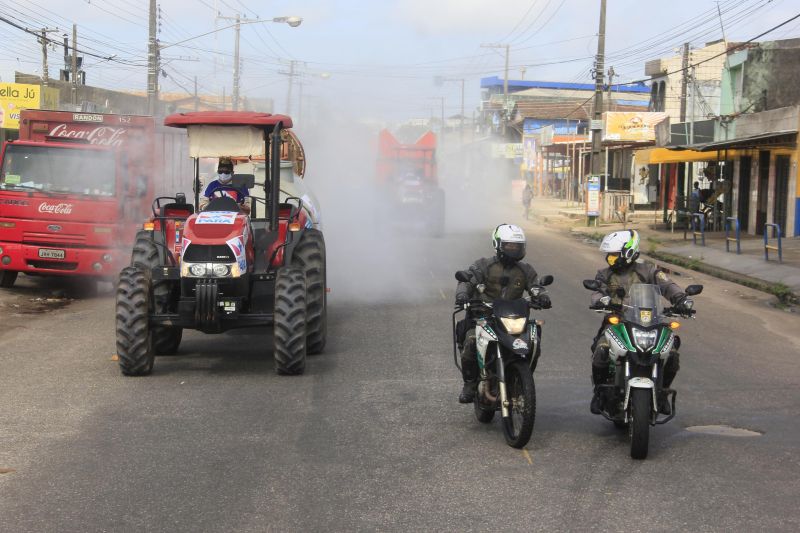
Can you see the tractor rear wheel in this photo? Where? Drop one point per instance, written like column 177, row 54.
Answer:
column 133, row 332
column 309, row 255
column 289, row 337
column 146, row 256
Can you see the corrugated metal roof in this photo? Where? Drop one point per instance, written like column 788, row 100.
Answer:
column 496, row 81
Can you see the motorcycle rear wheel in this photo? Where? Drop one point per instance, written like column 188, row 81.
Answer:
column 639, row 428
column 521, row 393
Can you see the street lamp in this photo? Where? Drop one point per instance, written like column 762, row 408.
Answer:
column 154, row 57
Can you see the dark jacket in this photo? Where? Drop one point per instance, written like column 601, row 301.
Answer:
column 491, row 272
column 636, row 273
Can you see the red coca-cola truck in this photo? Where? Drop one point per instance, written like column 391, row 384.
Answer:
column 75, row 187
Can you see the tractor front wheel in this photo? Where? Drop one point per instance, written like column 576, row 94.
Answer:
column 134, row 336
column 146, row 256
column 290, row 321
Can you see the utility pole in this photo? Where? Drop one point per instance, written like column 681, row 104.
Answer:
column 684, row 80
column 289, row 92
column 152, row 62
column 611, row 75
column 195, row 93
column 236, row 67
column 74, row 66
column 598, row 93
column 45, row 41
column 505, row 80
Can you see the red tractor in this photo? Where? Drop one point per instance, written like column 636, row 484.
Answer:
column 219, row 269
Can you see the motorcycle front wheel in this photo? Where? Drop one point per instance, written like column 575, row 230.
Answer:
column 521, row 393
column 639, row 428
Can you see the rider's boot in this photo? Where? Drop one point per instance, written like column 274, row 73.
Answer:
column 662, row 402
column 599, row 376
column 669, row 371
column 469, row 370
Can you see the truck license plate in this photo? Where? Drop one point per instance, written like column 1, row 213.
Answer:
column 48, row 253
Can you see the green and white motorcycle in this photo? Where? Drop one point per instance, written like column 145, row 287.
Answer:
column 640, row 336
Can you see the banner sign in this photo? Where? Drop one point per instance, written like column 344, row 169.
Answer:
column 593, row 196
column 631, row 126
column 15, row 97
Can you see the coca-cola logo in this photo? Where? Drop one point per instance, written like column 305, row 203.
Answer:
column 55, row 209
column 101, row 135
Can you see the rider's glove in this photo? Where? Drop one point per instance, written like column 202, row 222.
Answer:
column 544, row 302
column 604, row 301
column 461, row 299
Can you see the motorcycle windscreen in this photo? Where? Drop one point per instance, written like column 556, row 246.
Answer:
column 642, row 305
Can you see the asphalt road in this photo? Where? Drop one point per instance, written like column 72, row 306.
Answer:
column 371, row 437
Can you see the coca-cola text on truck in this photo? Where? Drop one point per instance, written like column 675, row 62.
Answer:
column 75, row 187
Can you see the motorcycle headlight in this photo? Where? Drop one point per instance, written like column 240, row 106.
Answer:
column 645, row 340
column 514, row 326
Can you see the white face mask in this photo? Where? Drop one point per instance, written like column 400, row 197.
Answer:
column 224, row 177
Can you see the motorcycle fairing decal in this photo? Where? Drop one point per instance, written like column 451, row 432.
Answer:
column 519, row 344
column 662, row 341
column 620, row 336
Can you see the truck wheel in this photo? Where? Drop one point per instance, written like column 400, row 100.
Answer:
column 146, row 256
column 134, row 336
column 309, row 255
column 8, row 278
column 290, row 321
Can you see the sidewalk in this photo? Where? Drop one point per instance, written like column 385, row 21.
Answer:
column 748, row 268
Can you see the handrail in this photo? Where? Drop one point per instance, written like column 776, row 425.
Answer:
column 702, row 218
column 767, row 246
column 728, row 238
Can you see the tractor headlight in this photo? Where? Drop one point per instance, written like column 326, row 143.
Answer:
column 210, row 270
column 514, row 326
column 645, row 340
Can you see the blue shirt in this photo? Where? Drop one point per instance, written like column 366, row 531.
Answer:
column 237, row 193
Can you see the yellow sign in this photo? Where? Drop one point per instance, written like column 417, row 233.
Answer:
column 631, row 126
column 14, row 97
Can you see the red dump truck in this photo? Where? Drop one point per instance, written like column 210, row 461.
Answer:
column 74, row 188
column 407, row 173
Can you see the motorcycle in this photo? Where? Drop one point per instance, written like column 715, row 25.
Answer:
column 508, row 348
column 640, row 336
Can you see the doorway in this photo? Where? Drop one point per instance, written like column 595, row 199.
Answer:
column 743, row 203
column 781, row 191
column 763, row 191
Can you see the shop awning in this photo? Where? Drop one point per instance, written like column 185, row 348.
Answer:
column 775, row 138
column 654, row 156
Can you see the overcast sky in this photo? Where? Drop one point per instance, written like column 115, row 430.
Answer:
column 379, row 56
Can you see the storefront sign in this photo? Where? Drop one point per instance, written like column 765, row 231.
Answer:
column 593, row 196
column 529, row 152
column 15, row 97
column 507, row 150
column 631, row 126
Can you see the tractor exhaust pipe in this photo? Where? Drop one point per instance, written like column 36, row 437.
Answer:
column 275, row 182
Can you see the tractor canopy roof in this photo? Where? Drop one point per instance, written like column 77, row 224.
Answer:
column 238, row 134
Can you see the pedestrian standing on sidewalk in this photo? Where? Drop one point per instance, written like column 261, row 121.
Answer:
column 527, row 198
column 694, row 199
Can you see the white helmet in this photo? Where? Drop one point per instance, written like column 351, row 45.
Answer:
column 509, row 242
column 621, row 248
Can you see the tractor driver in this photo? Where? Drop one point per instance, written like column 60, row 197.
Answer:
column 223, row 186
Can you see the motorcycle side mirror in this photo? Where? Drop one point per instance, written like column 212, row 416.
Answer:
column 481, row 288
column 546, row 280
column 691, row 290
column 536, row 291
column 463, row 276
column 591, row 284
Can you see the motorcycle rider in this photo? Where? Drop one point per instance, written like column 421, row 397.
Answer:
column 622, row 251
column 504, row 276
column 224, row 185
